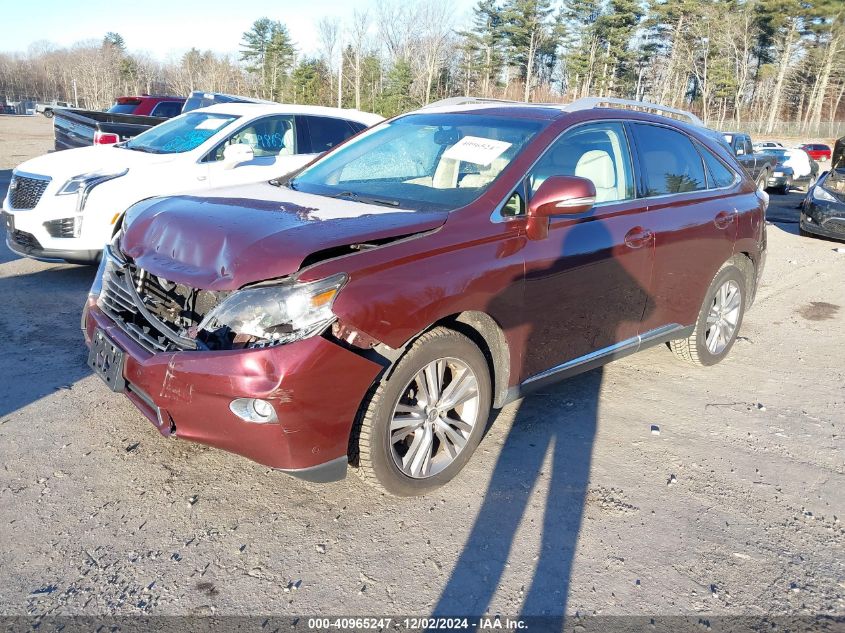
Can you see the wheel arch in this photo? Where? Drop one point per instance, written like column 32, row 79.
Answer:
column 745, row 262
column 483, row 330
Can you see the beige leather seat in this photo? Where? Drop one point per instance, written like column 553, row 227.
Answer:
column 596, row 165
column 485, row 176
column 287, row 142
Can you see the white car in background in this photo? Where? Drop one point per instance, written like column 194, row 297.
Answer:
column 761, row 145
column 67, row 205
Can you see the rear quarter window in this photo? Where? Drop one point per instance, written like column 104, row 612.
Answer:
column 668, row 160
column 719, row 175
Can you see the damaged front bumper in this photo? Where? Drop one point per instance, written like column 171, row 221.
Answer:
column 315, row 386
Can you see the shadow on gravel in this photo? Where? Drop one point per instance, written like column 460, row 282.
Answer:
column 39, row 324
column 593, row 295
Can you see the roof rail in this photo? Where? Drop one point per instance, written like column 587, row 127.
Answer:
column 588, row 103
column 456, row 101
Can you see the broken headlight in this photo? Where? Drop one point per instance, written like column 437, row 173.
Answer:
column 819, row 193
column 273, row 314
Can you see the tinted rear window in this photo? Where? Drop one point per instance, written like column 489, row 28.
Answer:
column 668, row 161
column 327, row 132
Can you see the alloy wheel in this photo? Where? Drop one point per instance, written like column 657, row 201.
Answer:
column 723, row 317
column 434, row 417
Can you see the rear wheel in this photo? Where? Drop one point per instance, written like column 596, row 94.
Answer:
column 48, row 114
column 718, row 321
column 424, row 420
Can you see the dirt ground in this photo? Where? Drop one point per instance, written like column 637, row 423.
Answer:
column 649, row 488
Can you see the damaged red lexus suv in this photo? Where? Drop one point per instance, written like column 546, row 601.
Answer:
column 373, row 308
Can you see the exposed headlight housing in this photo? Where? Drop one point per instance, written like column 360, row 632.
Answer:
column 82, row 184
column 274, row 314
column 825, row 196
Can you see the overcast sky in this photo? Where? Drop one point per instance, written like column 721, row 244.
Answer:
column 167, row 28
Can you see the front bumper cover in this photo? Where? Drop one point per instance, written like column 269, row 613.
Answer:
column 826, row 219
column 315, row 385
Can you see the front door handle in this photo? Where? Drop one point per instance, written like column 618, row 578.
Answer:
column 638, row 237
column 723, row 219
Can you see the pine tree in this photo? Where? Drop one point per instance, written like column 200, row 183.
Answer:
column 269, row 52
column 526, row 23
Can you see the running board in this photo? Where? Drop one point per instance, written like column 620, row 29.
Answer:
column 599, row 357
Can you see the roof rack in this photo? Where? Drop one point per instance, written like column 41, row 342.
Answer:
column 456, row 101
column 586, row 103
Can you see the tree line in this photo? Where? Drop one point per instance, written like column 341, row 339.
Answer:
column 727, row 60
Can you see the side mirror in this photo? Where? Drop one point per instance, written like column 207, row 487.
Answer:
column 558, row 195
column 236, row 154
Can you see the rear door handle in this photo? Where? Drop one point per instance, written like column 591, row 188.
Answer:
column 638, row 237
column 723, row 219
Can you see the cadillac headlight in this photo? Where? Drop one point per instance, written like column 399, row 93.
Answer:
column 275, row 314
column 81, row 185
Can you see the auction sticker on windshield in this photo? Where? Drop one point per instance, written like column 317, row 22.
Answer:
column 211, row 124
column 474, row 149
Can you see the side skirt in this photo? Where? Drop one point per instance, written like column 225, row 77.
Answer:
column 598, row 358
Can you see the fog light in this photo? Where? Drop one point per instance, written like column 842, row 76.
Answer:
column 254, row 410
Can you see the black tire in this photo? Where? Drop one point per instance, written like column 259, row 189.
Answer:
column 371, row 438
column 784, row 190
column 48, row 114
column 694, row 349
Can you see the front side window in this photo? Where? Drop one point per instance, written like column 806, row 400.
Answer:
column 422, row 161
column 181, row 134
column 598, row 152
column 668, row 161
column 268, row 137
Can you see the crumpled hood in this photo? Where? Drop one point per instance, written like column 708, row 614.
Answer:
column 61, row 166
column 837, row 158
column 233, row 236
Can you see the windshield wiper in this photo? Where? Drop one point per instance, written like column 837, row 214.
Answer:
column 358, row 198
column 145, row 149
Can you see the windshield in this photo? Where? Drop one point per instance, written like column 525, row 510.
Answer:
column 181, row 134
column 421, row 161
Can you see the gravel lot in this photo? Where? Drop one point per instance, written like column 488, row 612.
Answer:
column 648, row 488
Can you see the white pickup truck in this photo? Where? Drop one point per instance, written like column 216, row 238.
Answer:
column 67, row 205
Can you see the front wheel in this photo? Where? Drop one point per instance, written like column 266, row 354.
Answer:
column 48, row 114
column 718, row 321
column 424, row 419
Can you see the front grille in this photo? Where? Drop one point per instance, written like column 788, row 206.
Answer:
column 172, row 308
column 61, row 228
column 25, row 240
column 177, row 305
column 24, row 193
column 836, row 225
